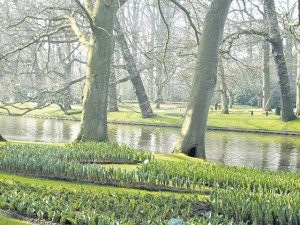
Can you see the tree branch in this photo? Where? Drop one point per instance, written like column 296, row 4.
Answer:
column 77, row 32
column 86, row 12
column 188, row 15
column 35, row 40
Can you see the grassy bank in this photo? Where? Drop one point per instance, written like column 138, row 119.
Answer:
column 239, row 118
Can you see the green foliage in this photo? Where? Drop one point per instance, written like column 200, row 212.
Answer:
column 210, row 174
column 68, row 207
column 258, row 207
column 66, row 164
column 237, row 195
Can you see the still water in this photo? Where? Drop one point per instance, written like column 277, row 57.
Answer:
column 265, row 151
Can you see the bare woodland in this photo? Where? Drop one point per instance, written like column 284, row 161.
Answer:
column 98, row 54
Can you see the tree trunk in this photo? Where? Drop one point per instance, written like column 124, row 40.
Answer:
column 266, row 76
column 223, row 88
column 134, row 74
column 112, row 93
column 192, row 139
column 67, row 99
column 231, row 99
column 287, row 113
column 93, row 125
column 159, row 98
column 298, row 82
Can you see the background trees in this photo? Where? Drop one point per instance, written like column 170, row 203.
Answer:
column 51, row 50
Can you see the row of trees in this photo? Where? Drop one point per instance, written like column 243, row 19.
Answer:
column 167, row 47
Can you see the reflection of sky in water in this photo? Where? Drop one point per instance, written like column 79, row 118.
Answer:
column 266, row 151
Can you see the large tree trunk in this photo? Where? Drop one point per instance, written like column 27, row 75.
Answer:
column 134, row 74
column 192, row 139
column 93, row 125
column 298, row 82
column 287, row 113
column 223, row 88
column 266, row 76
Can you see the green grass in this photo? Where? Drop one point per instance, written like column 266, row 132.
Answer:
column 256, row 122
column 160, row 118
column 6, row 220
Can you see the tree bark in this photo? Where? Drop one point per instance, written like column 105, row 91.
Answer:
column 223, row 88
column 134, row 73
column 231, row 99
column 67, row 99
column 266, row 76
column 112, row 94
column 159, row 98
column 192, row 139
column 93, row 125
column 287, row 113
column 298, row 82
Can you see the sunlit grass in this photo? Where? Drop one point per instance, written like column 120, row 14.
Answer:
column 255, row 122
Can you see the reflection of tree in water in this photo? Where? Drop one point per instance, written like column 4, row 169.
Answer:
column 219, row 149
column 124, row 134
column 264, row 155
column 297, row 155
column 146, row 137
column 285, row 154
column 40, row 127
column 66, row 130
column 223, row 153
column 216, row 146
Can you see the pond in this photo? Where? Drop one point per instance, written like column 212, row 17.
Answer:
column 259, row 150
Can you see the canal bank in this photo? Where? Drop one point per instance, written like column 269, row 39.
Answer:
column 212, row 128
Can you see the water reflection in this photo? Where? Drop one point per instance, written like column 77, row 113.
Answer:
column 265, row 151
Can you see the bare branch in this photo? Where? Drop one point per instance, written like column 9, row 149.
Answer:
column 77, row 32
column 87, row 12
column 187, row 13
column 35, row 40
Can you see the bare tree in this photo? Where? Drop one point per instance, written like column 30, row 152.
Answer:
column 287, row 113
column 134, row 74
column 101, row 16
column 192, row 139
